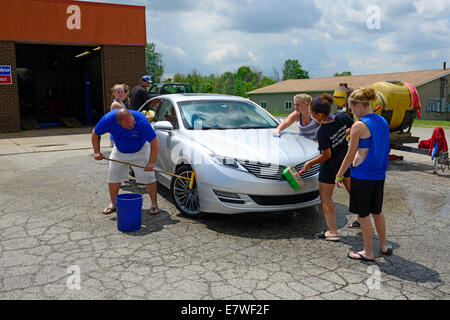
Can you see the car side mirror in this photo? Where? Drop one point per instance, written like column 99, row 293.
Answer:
column 163, row 125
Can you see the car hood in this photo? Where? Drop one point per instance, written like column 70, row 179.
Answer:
column 257, row 145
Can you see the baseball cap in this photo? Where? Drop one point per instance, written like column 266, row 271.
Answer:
column 147, row 79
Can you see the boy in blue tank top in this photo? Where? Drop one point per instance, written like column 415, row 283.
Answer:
column 367, row 157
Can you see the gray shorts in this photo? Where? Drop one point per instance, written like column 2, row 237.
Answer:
column 119, row 172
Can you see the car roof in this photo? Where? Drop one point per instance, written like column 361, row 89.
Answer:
column 178, row 97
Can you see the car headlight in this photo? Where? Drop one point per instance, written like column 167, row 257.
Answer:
column 227, row 162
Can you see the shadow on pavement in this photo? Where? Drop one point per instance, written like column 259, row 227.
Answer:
column 409, row 166
column 302, row 223
column 150, row 223
column 394, row 265
column 45, row 132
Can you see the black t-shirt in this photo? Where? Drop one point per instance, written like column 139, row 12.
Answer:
column 332, row 135
column 138, row 97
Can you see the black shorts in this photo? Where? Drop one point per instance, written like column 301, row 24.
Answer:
column 366, row 197
column 328, row 171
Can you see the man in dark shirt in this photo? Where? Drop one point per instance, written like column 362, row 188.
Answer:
column 139, row 93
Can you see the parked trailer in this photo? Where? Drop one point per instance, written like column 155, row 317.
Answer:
column 399, row 103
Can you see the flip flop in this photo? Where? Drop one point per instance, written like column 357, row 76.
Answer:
column 109, row 210
column 360, row 257
column 153, row 211
column 389, row 251
column 321, row 235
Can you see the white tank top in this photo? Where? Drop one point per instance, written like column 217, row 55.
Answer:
column 309, row 131
column 121, row 103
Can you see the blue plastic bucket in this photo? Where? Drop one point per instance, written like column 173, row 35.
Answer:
column 129, row 209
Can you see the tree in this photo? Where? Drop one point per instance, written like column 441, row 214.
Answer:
column 342, row 74
column 153, row 62
column 293, row 70
column 276, row 74
column 237, row 83
column 266, row 81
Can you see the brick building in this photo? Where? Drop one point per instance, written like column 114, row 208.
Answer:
column 64, row 56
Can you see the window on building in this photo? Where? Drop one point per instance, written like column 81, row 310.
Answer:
column 263, row 104
column 288, row 105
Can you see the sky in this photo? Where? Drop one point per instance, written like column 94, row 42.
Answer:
column 325, row 36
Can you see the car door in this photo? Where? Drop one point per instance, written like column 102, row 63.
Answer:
column 151, row 105
column 154, row 91
column 166, row 112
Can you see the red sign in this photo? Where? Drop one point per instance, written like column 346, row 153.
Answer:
column 5, row 75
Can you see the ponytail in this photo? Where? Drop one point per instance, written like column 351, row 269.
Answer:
column 363, row 96
column 322, row 104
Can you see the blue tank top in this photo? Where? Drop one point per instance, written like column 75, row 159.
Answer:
column 375, row 164
column 365, row 143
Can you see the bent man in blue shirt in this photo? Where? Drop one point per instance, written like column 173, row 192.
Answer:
column 135, row 142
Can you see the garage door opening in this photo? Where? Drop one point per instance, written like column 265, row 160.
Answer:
column 59, row 84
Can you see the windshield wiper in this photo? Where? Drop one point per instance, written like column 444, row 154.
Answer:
column 260, row 127
column 233, row 128
column 201, row 128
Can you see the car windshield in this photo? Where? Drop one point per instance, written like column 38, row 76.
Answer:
column 204, row 115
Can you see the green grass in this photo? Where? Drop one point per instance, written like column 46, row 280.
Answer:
column 417, row 123
column 279, row 114
column 431, row 123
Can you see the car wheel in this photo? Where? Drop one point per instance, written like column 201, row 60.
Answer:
column 186, row 200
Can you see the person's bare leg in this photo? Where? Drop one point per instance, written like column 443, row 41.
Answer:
column 326, row 197
column 347, row 182
column 113, row 191
column 366, row 230
column 152, row 192
column 380, row 225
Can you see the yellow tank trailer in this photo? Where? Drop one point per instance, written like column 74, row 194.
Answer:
column 397, row 101
column 340, row 96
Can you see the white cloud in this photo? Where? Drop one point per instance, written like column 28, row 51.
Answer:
column 370, row 62
column 223, row 51
column 252, row 56
column 386, row 44
column 438, row 28
column 214, row 36
column 177, row 51
column 432, row 8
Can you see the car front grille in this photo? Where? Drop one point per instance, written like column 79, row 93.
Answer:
column 284, row 200
column 273, row 171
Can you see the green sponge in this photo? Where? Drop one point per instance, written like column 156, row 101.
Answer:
column 293, row 178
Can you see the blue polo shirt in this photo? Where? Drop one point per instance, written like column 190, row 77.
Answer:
column 126, row 140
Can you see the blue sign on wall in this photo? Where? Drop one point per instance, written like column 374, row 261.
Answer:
column 5, row 75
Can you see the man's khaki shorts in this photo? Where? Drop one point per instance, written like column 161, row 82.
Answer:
column 119, row 172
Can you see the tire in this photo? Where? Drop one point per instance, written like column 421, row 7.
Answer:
column 187, row 201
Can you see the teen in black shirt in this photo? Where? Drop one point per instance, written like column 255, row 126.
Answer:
column 332, row 140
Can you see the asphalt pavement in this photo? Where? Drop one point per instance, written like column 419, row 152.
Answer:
column 56, row 244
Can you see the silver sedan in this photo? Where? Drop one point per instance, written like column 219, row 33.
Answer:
column 238, row 163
